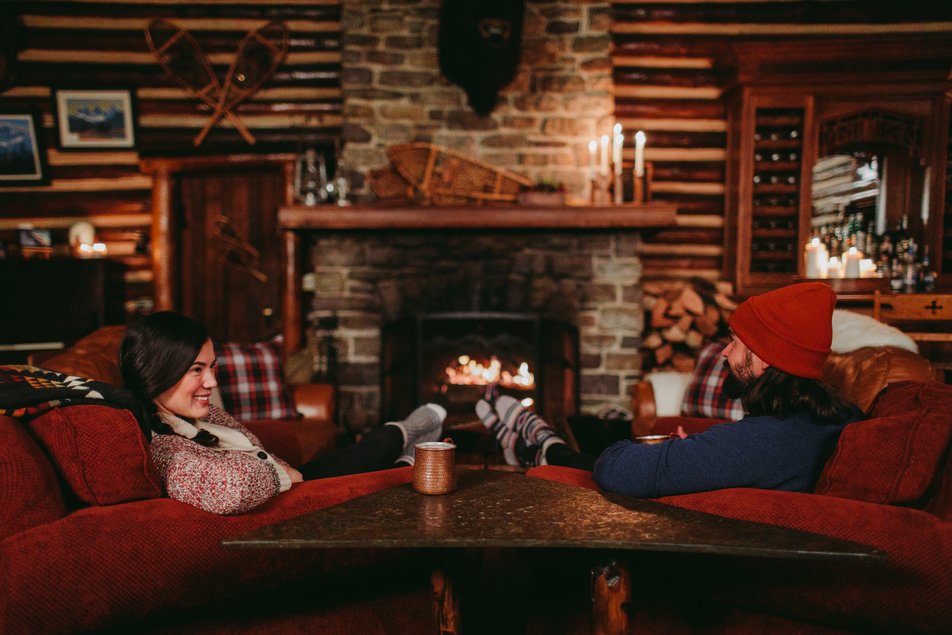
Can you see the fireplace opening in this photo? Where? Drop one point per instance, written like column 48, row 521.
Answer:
column 453, row 359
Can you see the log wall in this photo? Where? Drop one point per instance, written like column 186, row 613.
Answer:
column 91, row 44
column 669, row 58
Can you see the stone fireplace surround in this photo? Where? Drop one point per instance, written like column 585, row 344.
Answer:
column 571, row 264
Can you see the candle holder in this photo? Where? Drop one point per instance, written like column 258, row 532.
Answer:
column 642, row 184
column 601, row 189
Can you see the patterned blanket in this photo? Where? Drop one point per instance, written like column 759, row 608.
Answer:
column 26, row 391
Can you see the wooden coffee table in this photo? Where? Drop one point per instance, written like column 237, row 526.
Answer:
column 492, row 509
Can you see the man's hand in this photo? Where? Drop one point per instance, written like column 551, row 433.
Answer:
column 681, row 433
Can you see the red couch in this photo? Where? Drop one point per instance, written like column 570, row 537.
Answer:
column 888, row 485
column 88, row 540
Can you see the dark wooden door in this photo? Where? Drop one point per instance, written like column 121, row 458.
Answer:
column 229, row 258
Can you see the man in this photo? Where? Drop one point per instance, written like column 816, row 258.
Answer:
column 779, row 342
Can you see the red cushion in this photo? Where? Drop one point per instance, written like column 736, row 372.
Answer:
column 705, row 396
column 107, row 565
column 895, row 457
column 29, row 491
column 100, row 452
column 251, row 381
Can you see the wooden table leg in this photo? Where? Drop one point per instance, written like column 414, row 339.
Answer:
column 611, row 598
column 447, row 601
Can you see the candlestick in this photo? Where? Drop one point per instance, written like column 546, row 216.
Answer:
column 640, row 153
column 604, row 163
column 616, row 151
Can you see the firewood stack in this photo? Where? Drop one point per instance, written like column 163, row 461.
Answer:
column 681, row 316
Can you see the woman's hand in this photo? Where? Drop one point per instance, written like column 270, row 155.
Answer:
column 294, row 475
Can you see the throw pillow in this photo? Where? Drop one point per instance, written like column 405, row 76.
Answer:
column 705, row 394
column 29, row 491
column 906, row 441
column 100, row 452
column 251, row 381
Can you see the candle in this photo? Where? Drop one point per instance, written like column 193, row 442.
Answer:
column 592, row 149
column 866, row 268
column 604, row 163
column 833, row 268
column 815, row 257
column 639, row 153
column 851, row 263
column 618, row 140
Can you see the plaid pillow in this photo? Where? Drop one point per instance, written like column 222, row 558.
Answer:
column 705, row 394
column 251, row 381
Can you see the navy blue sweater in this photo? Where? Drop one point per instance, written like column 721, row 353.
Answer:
column 763, row 452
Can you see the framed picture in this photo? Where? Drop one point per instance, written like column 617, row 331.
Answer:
column 22, row 150
column 94, row 119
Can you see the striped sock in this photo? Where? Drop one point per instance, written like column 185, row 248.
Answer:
column 533, row 435
column 505, row 439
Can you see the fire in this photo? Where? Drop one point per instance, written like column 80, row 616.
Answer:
column 469, row 372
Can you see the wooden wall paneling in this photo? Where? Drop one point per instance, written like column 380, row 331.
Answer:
column 672, row 71
column 96, row 44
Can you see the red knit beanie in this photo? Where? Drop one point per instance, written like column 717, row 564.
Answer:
column 790, row 328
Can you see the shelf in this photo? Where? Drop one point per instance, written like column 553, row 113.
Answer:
column 473, row 217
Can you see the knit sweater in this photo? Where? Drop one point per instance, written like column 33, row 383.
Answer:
column 761, row 452
column 233, row 476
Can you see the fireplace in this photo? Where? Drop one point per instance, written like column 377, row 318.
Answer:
column 454, row 358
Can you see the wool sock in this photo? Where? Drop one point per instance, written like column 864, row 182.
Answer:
column 533, row 435
column 423, row 424
column 505, row 439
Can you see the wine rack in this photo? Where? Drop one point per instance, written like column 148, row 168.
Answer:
column 778, row 157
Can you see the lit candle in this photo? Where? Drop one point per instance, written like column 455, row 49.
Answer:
column 618, row 140
column 639, row 153
column 834, row 269
column 592, row 149
column 851, row 263
column 815, row 258
column 604, row 164
column 866, row 268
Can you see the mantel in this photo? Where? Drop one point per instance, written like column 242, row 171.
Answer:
column 296, row 219
column 302, row 217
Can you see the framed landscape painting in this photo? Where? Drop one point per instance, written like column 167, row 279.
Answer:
column 94, row 119
column 22, row 151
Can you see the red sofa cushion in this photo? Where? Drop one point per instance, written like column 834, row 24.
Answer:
column 251, row 381
column 29, row 490
column 100, row 452
column 895, row 457
column 109, row 565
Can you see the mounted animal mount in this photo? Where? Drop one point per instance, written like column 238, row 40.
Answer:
column 259, row 54
column 480, row 47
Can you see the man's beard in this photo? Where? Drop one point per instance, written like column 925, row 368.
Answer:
column 734, row 387
column 739, row 381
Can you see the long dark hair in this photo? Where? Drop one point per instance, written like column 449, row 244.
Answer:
column 781, row 394
column 155, row 354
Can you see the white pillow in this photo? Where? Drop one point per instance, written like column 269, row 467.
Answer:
column 855, row 330
column 669, row 388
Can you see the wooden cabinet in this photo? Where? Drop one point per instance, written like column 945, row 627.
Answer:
column 790, row 105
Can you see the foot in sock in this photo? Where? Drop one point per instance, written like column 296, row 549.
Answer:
column 532, row 435
column 504, row 437
column 424, row 424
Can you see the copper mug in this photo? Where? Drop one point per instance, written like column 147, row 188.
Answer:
column 434, row 470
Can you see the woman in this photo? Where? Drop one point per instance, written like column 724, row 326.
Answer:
column 209, row 460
